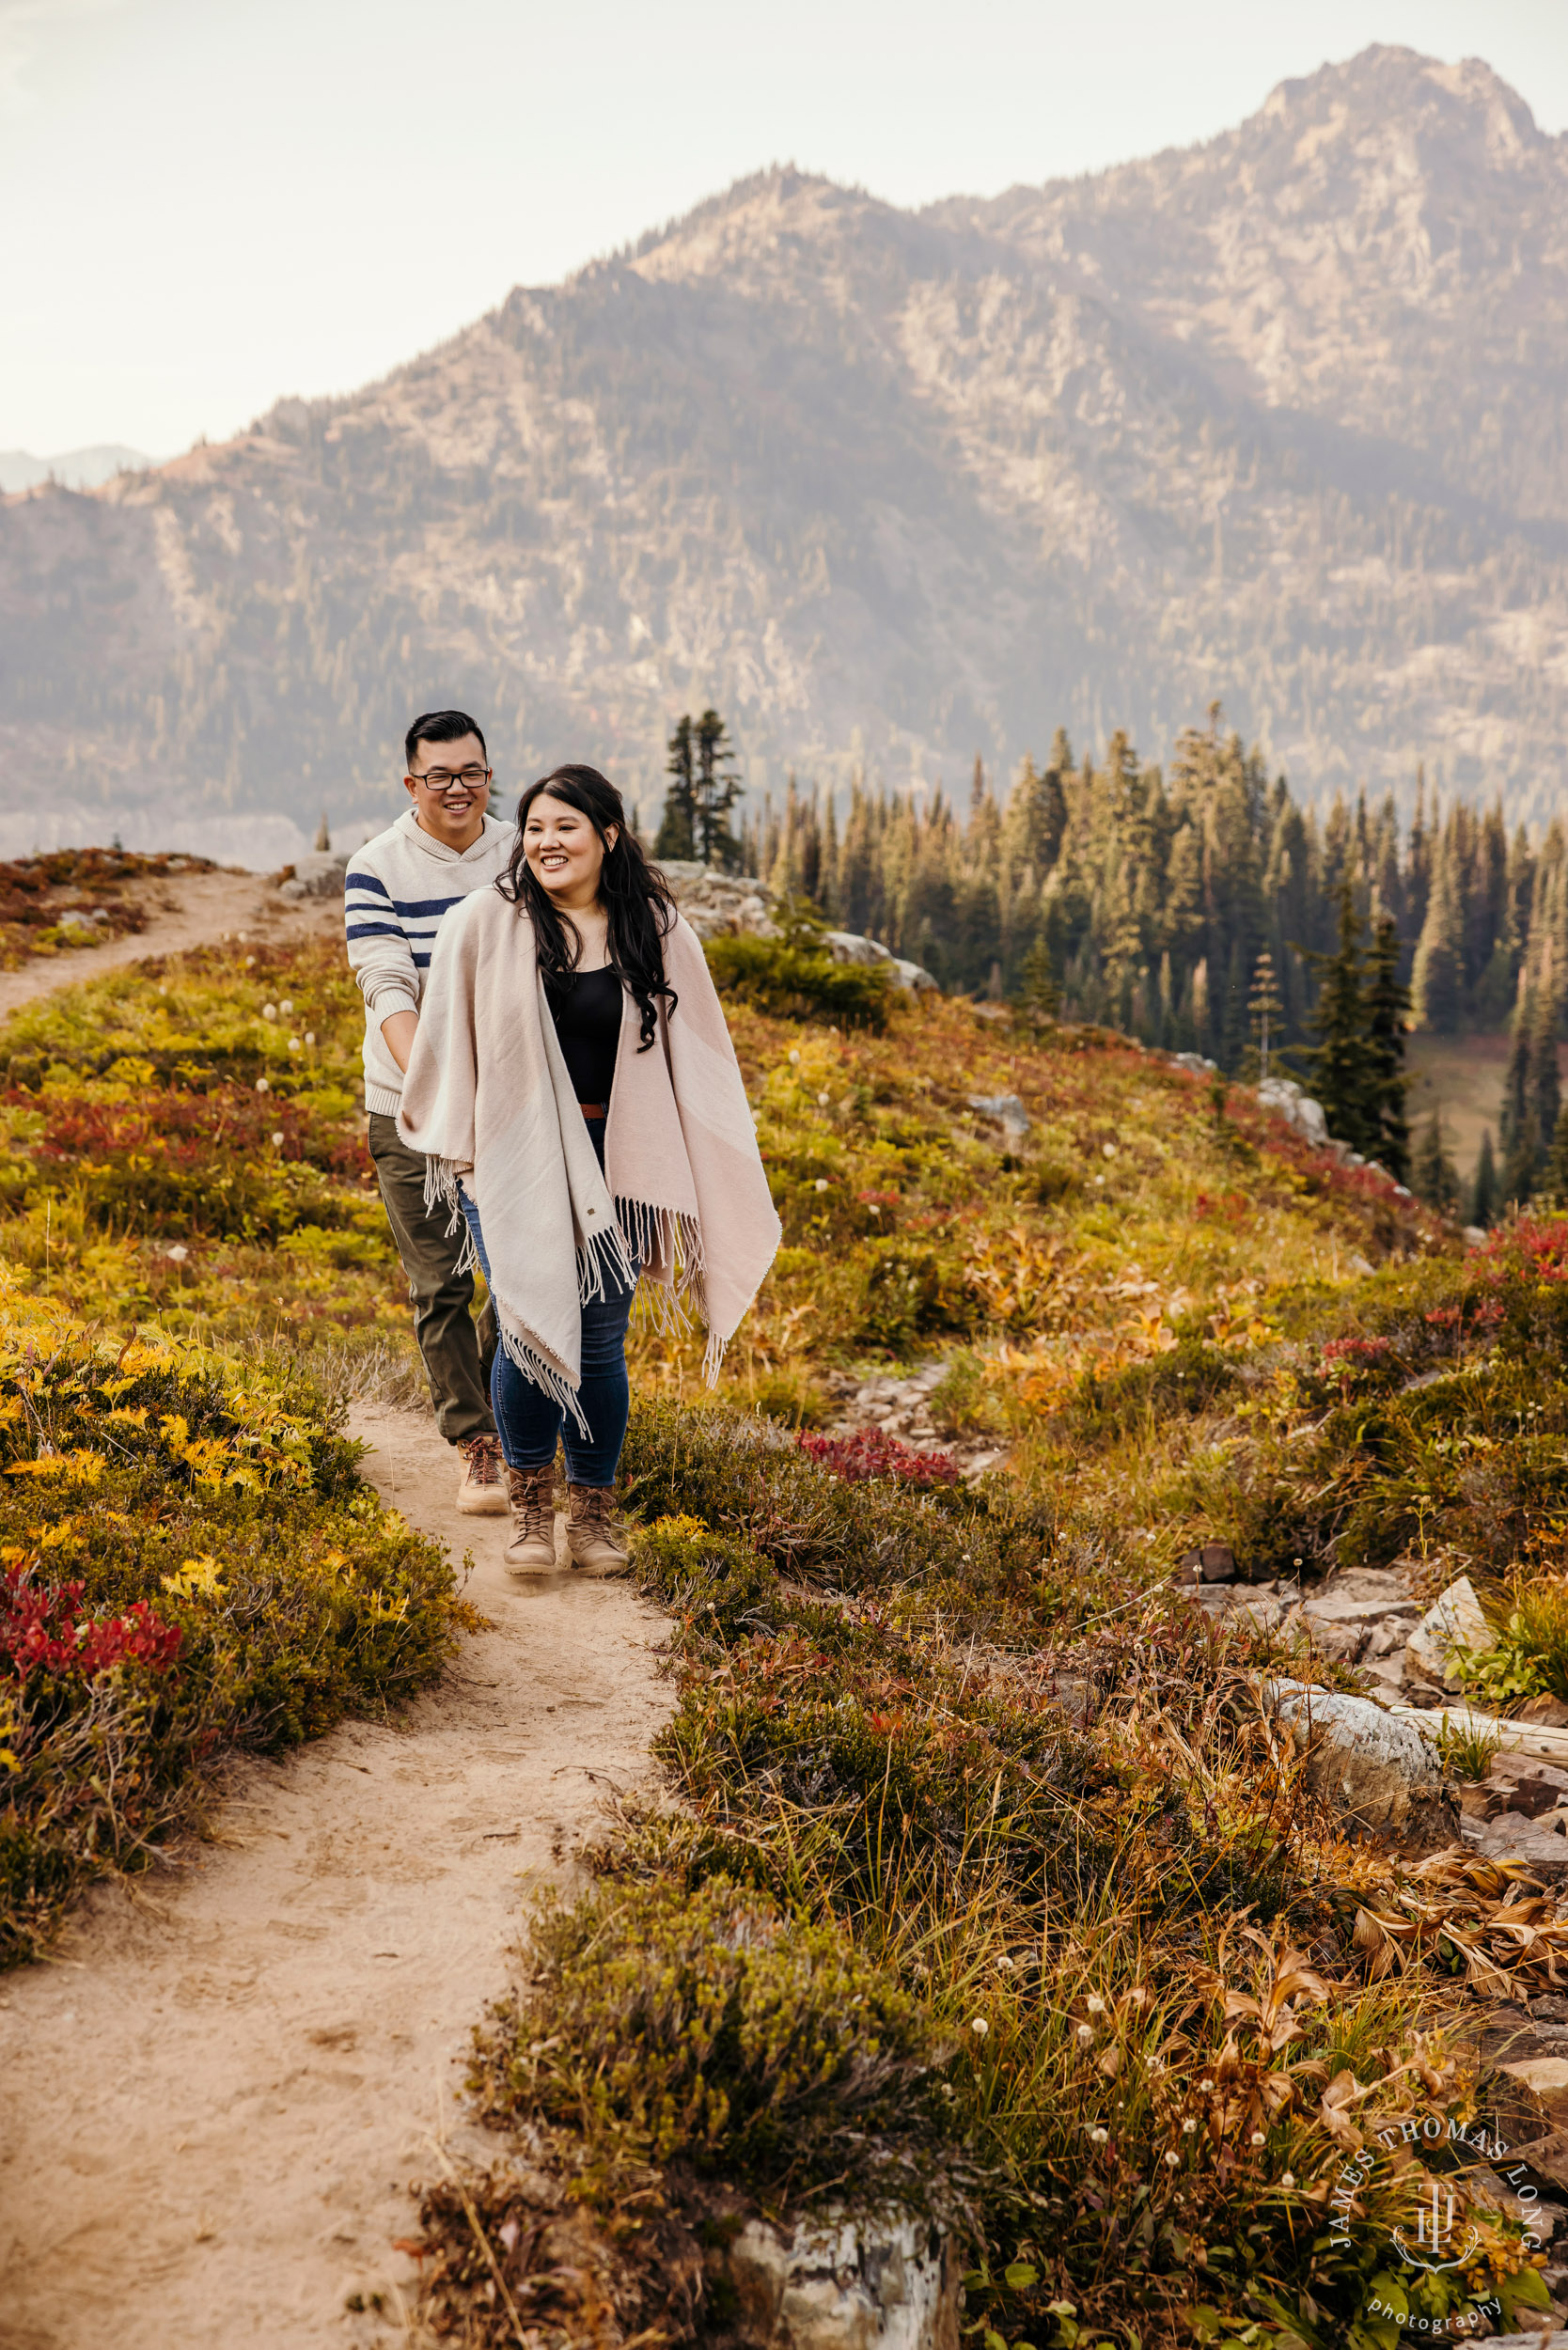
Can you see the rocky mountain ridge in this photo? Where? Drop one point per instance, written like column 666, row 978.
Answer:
column 1277, row 419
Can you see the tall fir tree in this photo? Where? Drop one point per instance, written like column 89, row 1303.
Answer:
column 676, row 836
column 1264, row 1010
column 1484, row 1194
column 1342, row 1070
column 1434, row 1178
column 1388, row 1002
column 716, row 790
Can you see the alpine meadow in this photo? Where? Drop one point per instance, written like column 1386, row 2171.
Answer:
column 1050, row 1832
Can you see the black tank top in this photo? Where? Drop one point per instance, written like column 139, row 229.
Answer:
column 587, row 1022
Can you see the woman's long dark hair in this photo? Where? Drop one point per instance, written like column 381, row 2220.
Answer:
column 632, row 892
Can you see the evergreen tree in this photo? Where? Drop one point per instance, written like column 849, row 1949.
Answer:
column 1555, row 1178
column 1484, row 1195
column 1263, row 1012
column 678, row 828
column 1040, row 983
column 1387, row 1000
column 1439, row 973
column 1434, row 1178
column 716, row 790
column 1342, row 1070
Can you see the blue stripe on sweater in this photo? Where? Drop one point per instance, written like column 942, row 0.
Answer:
column 418, row 909
column 365, row 881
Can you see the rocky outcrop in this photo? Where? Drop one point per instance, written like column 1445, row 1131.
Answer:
column 1380, row 1772
column 1453, row 1628
column 318, row 874
column 1286, row 1100
column 738, row 905
column 842, row 2284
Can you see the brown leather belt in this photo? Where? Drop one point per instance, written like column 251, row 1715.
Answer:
column 594, row 1109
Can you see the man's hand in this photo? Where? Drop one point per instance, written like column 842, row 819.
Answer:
column 400, row 1031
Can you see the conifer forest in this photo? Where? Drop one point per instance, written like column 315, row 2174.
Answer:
column 1188, row 902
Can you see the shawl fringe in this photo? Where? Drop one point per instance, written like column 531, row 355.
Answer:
column 554, row 1382
column 441, row 1191
column 667, row 1237
column 603, row 1259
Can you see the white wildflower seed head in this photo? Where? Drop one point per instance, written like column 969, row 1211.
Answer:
column 1205, row 2085
column 794, row 1057
column 979, row 2025
column 1173, row 2160
column 295, row 1044
column 269, row 1011
column 178, row 1254
column 310, row 1036
column 1188, row 2126
column 278, row 1141
column 261, row 1086
column 1086, row 2036
column 250, row 960
column 1257, row 2138
column 1095, row 2004
column 1287, row 2179
column 820, row 1183
column 1098, row 2137
column 286, row 1006
column 822, row 1100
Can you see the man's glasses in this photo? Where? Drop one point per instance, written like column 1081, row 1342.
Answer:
column 439, row 779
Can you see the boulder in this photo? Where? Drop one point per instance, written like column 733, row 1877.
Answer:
column 849, row 947
column 1212, row 1562
column 318, row 875
column 1006, row 1108
column 841, row 2284
column 1286, row 1098
column 1380, row 1772
column 1455, row 1623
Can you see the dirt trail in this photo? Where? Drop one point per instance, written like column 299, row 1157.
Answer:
column 183, row 910
column 211, row 2106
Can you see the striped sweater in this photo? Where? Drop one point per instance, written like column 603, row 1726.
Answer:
column 395, row 892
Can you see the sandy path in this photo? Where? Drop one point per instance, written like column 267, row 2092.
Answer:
column 212, row 2108
column 183, row 910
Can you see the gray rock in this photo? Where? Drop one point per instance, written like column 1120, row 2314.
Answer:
column 1381, row 1773
column 1453, row 1624
column 318, row 874
column 1196, row 1062
column 1006, row 1108
column 841, row 2284
column 1286, row 1098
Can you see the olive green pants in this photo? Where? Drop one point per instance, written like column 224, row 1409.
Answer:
column 457, row 1352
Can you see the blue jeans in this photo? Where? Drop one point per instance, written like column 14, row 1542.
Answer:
column 530, row 1423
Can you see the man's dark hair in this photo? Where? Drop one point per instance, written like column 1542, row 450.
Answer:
column 441, row 726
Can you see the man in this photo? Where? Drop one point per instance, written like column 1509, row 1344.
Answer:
column 396, row 891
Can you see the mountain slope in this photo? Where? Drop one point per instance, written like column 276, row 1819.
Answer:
column 1277, row 419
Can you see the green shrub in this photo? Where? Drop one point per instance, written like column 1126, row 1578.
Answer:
column 695, row 1571
column 909, row 1293
column 706, row 2027
column 793, row 982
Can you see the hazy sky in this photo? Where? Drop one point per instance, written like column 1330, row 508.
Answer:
column 208, row 203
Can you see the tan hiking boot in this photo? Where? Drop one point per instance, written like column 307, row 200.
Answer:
column 597, row 1545
column 532, row 1547
column 482, row 1492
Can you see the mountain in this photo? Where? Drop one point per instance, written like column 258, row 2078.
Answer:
column 79, row 468
column 1279, row 419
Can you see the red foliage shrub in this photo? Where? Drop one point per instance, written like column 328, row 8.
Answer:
column 872, row 1452
column 41, row 1631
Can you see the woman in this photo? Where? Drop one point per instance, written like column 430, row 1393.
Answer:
column 574, row 1087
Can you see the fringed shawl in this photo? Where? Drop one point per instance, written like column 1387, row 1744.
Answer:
column 489, row 1100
